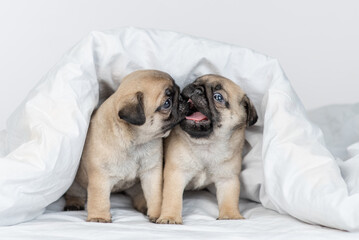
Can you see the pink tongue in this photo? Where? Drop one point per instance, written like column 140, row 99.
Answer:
column 197, row 116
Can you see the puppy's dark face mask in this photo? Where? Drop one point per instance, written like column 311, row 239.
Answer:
column 214, row 102
column 200, row 113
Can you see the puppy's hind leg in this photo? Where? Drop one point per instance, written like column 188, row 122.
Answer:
column 75, row 198
column 138, row 198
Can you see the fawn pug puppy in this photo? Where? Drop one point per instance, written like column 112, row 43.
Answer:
column 124, row 146
column 206, row 147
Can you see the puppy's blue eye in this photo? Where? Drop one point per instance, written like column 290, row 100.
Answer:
column 167, row 104
column 218, row 97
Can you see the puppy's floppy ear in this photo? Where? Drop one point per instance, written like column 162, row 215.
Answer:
column 133, row 112
column 252, row 116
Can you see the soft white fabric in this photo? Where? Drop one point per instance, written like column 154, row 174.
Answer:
column 288, row 166
column 199, row 214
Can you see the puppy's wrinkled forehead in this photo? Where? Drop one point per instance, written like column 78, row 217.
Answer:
column 215, row 82
column 154, row 87
column 151, row 81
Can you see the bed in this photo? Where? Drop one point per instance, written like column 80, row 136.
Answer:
column 199, row 214
column 300, row 176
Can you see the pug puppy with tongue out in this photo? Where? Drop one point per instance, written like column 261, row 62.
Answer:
column 206, row 148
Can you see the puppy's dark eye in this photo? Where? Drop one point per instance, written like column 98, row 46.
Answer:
column 218, row 97
column 167, row 104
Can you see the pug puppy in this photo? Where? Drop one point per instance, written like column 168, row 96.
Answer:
column 207, row 146
column 124, row 146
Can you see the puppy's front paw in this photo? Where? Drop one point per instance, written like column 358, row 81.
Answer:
column 152, row 218
column 169, row 220
column 100, row 220
column 230, row 216
column 153, row 214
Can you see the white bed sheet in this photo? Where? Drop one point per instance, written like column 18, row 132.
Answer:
column 199, row 215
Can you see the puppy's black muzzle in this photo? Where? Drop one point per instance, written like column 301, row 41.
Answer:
column 196, row 99
column 197, row 94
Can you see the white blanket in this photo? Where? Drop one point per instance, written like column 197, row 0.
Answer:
column 290, row 166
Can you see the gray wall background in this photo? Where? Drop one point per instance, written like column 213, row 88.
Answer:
column 316, row 42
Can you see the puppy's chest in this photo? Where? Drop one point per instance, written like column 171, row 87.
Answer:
column 211, row 155
column 207, row 165
column 126, row 168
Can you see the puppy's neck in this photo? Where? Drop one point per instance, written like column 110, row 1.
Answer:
column 232, row 140
column 132, row 134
